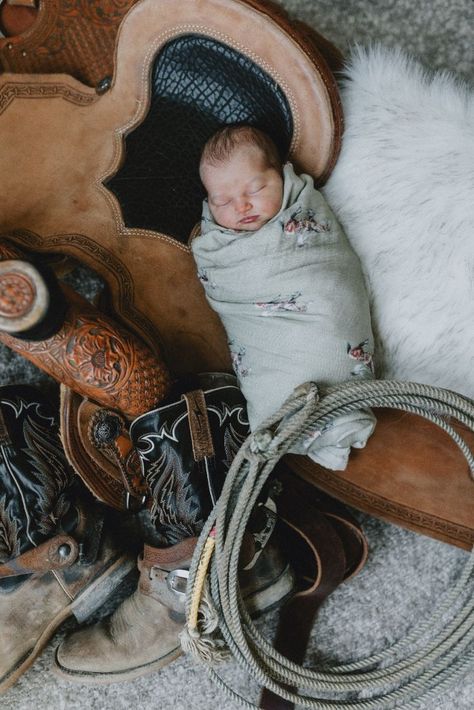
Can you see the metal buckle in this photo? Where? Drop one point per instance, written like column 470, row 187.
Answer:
column 129, row 501
column 177, row 581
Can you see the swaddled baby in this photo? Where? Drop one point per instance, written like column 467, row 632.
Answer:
column 278, row 269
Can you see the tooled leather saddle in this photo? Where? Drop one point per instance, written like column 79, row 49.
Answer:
column 111, row 180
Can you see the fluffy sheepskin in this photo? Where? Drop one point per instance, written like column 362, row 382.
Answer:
column 404, row 190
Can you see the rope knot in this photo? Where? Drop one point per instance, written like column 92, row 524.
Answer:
column 261, row 444
column 308, row 390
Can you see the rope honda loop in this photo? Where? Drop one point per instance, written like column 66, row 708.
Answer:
column 418, row 667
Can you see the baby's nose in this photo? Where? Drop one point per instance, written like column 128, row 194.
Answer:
column 242, row 205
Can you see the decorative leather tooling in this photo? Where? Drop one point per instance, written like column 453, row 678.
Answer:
column 75, row 37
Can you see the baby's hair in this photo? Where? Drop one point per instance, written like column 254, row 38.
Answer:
column 223, row 143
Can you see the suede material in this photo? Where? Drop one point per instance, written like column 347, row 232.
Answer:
column 26, row 616
column 139, row 637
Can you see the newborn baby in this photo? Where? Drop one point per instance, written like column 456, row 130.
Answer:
column 278, row 269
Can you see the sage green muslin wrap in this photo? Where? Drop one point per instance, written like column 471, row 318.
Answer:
column 293, row 302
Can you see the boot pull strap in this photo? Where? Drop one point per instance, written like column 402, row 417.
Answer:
column 199, row 426
column 56, row 553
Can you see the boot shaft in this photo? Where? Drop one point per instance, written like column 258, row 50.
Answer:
column 186, row 448
column 48, row 521
column 37, row 486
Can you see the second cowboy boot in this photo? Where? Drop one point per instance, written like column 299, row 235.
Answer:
column 142, row 635
column 58, row 556
column 185, row 447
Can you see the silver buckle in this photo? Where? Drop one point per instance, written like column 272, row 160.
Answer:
column 177, row 581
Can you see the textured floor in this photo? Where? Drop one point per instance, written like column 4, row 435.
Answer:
column 406, row 573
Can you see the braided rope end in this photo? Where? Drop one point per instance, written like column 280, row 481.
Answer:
column 206, row 649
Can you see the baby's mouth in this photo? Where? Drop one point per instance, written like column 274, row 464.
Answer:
column 249, row 220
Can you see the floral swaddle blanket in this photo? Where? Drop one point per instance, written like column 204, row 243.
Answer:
column 293, row 302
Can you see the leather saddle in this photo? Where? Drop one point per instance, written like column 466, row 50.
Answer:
column 111, row 180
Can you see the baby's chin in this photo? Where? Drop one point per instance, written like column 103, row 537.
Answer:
column 251, row 226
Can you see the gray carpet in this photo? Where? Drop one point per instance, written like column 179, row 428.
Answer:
column 406, row 574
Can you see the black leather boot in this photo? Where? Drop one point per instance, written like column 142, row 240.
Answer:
column 58, row 555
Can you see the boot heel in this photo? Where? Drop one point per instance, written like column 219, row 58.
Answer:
column 102, row 588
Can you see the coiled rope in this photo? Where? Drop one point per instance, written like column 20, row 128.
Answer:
column 436, row 652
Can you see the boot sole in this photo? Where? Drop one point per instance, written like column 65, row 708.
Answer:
column 92, row 678
column 85, row 604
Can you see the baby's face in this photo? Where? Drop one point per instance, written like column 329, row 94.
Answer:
column 244, row 192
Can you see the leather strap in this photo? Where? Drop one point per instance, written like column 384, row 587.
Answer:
column 168, row 557
column 164, row 573
column 199, row 427
column 56, row 553
column 107, row 434
column 333, row 548
column 347, row 527
column 297, row 615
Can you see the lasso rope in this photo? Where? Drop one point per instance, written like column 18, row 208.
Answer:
column 435, row 653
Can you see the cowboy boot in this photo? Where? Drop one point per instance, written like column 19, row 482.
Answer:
column 186, row 448
column 57, row 554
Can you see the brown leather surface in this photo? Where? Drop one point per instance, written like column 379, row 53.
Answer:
column 17, row 17
column 297, row 615
column 199, row 427
column 99, row 359
column 70, row 36
column 326, row 546
column 99, row 473
column 411, row 473
column 56, row 553
column 83, row 414
column 168, row 557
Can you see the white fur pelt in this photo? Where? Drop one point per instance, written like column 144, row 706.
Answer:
column 403, row 189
